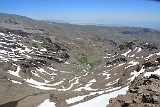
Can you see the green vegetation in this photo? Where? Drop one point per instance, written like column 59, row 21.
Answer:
column 82, row 58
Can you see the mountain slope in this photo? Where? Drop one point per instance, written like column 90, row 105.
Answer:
column 117, row 34
column 69, row 67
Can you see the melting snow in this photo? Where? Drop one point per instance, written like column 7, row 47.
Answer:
column 15, row 82
column 47, row 103
column 15, row 73
column 155, row 72
column 132, row 63
column 103, row 100
column 2, row 34
column 125, row 54
column 43, row 49
column 158, row 53
column 53, row 69
column 132, row 56
column 87, row 86
column 75, row 99
column 135, row 73
column 66, row 63
column 36, row 41
column 148, row 57
column 139, row 49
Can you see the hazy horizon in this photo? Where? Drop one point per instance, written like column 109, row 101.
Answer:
column 138, row 13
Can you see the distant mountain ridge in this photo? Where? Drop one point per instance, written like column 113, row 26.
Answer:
column 45, row 63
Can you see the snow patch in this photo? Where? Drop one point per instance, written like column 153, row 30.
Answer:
column 135, row 73
column 132, row 63
column 2, row 34
column 155, row 72
column 36, row 41
column 158, row 53
column 15, row 73
column 103, row 100
column 139, row 49
column 14, row 81
column 43, row 49
column 47, row 103
column 125, row 54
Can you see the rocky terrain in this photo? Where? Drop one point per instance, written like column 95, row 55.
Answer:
column 62, row 65
column 143, row 92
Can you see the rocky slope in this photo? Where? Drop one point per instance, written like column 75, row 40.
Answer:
column 67, row 65
column 143, row 92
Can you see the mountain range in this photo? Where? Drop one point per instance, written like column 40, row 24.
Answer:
column 49, row 64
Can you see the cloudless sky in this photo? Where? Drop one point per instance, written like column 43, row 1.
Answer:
column 145, row 13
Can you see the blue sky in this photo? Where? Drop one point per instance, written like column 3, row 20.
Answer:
column 145, row 13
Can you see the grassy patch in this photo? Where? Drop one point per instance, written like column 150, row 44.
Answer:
column 82, row 58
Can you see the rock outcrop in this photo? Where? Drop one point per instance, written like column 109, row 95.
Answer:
column 143, row 92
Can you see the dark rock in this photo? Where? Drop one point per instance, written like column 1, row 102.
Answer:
column 158, row 59
column 24, row 65
column 149, row 64
column 138, row 68
column 125, row 104
column 155, row 76
column 116, row 61
column 150, row 46
column 113, row 43
column 147, row 98
column 126, row 45
column 144, row 92
column 133, row 91
column 119, row 83
column 129, row 32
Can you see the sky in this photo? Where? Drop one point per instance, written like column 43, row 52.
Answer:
column 141, row 13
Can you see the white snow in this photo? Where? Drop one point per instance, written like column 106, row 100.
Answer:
column 135, row 49
column 112, row 82
column 135, row 73
column 53, row 69
column 66, row 62
column 36, row 41
column 87, row 86
column 2, row 34
column 132, row 63
column 155, row 72
column 14, row 81
column 109, row 54
column 32, row 81
column 43, row 49
column 158, row 53
column 103, row 100
column 105, row 73
column 15, row 73
column 139, row 49
column 41, row 70
column 28, row 57
column 75, row 99
column 47, row 103
column 132, row 56
column 63, row 71
column 116, row 66
column 148, row 57
column 76, row 82
column 125, row 54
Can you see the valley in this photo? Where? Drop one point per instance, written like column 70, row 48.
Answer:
column 46, row 64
